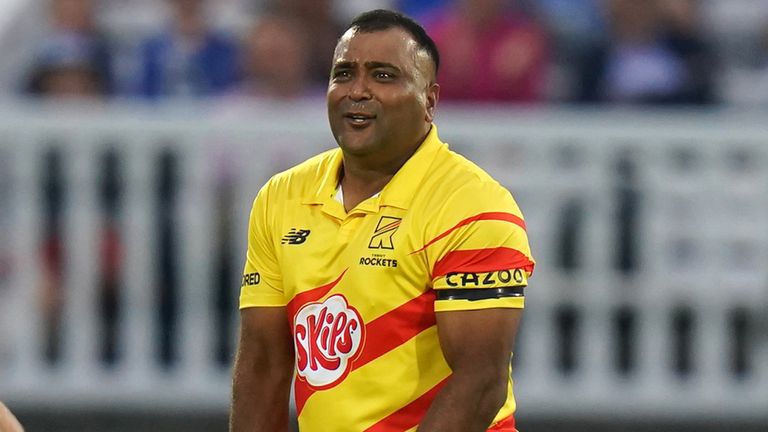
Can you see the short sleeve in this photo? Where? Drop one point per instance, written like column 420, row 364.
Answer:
column 478, row 253
column 262, row 282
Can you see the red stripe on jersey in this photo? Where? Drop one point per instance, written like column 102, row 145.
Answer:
column 409, row 415
column 396, row 327
column 312, row 295
column 482, row 260
column 499, row 216
column 384, row 334
column 504, row 425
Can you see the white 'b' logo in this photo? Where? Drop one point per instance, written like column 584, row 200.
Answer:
column 327, row 337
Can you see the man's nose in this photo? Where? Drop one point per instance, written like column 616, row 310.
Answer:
column 359, row 89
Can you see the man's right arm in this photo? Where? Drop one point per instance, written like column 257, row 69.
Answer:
column 263, row 371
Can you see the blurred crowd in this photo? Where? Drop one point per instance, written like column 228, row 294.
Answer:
column 641, row 52
column 656, row 52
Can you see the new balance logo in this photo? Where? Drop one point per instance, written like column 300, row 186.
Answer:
column 295, row 236
column 382, row 237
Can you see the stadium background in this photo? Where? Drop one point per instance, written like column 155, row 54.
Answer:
column 134, row 134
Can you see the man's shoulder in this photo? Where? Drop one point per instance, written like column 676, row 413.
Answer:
column 460, row 188
column 456, row 172
column 307, row 174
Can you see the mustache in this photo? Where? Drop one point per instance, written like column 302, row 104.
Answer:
column 359, row 107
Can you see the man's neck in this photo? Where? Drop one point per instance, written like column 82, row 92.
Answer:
column 361, row 178
column 359, row 183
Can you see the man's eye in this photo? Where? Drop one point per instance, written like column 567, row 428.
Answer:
column 341, row 74
column 384, row 75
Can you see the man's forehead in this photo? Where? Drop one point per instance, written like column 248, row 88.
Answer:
column 393, row 42
column 394, row 45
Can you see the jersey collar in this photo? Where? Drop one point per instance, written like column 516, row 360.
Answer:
column 397, row 193
column 400, row 190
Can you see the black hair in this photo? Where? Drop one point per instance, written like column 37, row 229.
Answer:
column 382, row 19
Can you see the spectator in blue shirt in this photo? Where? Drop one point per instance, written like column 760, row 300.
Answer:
column 655, row 53
column 188, row 59
column 74, row 57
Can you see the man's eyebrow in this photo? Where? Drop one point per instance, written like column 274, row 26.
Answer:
column 343, row 64
column 347, row 64
column 378, row 64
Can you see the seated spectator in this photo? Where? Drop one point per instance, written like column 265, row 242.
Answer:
column 275, row 59
column 68, row 66
column 422, row 10
column 574, row 25
column 579, row 19
column 490, row 52
column 317, row 19
column 188, row 59
column 74, row 58
column 654, row 54
column 684, row 34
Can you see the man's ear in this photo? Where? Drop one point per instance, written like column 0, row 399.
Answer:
column 433, row 95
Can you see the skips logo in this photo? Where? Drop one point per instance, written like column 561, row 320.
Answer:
column 382, row 236
column 327, row 336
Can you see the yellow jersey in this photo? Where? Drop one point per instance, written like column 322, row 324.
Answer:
column 362, row 287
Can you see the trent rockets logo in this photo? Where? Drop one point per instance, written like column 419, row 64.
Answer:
column 382, row 236
column 327, row 336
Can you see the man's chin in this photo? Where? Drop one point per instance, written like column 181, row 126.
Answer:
column 355, row 146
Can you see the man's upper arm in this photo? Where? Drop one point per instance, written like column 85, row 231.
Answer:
column 262, row 280
column 480, row 269
column 265, row 337
column 478, row 341
column 480, row 257
column 263, row 370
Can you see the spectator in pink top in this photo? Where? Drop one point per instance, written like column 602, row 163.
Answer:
column 490, row 51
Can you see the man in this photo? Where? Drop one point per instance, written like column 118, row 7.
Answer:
column 387, row 275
